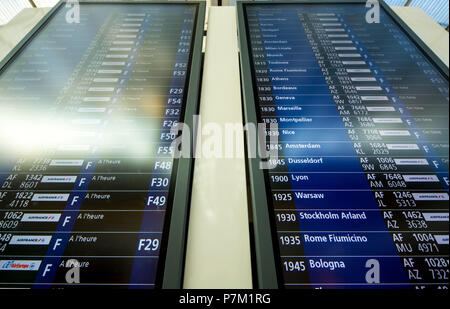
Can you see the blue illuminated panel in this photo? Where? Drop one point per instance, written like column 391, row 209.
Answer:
column 86, row 166
column 359, row 196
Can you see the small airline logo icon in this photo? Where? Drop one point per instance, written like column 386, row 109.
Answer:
column 66, row 163
column 436, row 216
column 411, row 161
column 420, row 178
column 441, row 239
column 41, row 217
column 430, row 196
column 30, row 240
column 50, row 197
column 402, row 146
column 59, row 179
column 27, row 265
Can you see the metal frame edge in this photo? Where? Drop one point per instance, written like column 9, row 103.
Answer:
column 176, row 245
column 266, row 268
column 174, row 262
column 265, row 260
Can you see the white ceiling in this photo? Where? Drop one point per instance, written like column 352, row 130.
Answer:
column 9, row 8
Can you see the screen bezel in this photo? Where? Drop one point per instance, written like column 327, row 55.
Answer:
column 266, row 247
column 170, row 269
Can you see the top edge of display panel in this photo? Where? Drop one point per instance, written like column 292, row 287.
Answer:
column 443, row 68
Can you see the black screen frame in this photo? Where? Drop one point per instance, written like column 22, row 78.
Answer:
column 171, row 259
column 266, row 250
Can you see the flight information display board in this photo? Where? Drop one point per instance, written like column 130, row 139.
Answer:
column 87, row 176
column 358, row 197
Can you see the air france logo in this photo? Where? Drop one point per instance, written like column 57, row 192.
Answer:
column 436, row 216
column 411, row 161
column 420, row 178
column 66, row 163
column 430, row 196
column 30, row 240
column 41, row 218
column 44, row 197
column 59, row 179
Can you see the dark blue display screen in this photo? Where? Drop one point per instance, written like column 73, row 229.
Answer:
column 359, row 195
column 86, row 166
